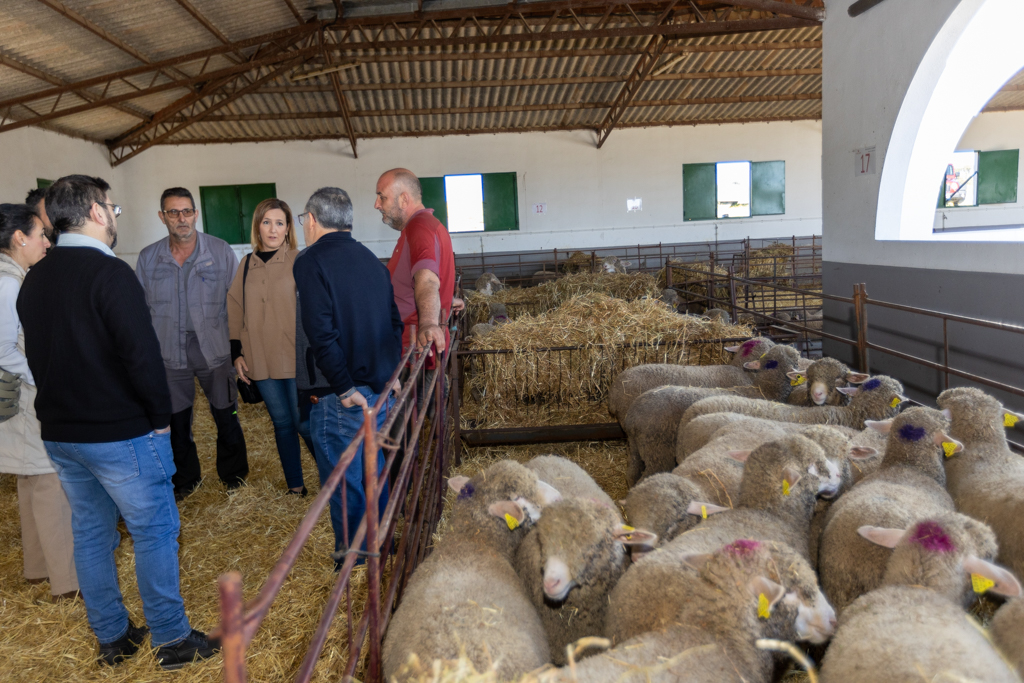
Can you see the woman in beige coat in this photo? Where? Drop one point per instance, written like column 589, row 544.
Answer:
column 261, row 321
column 46, row 539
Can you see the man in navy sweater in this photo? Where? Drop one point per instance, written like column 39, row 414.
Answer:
column 354, row 329
column 105, row 411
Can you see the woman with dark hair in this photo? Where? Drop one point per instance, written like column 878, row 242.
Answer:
column 46, row 539
column 261, row 321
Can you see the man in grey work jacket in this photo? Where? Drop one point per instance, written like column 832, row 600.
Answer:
column 186, row 276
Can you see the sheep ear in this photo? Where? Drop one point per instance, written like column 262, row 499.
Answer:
column 947, row 413
column 849, row 391
column 880, row 426
column 762, row 585
column 862, row 452
column 696, row 560
column 705, row 510
column 887, row 538
column 1010, row 418
column 796, row 374
column 857, row 377
column 1006, row 584
column 740, row 456
column 732, row 349
column 627, row 535
column 547, row 494
column 509, row 510
column 457, row 483
column 753, row 365
column 791, row 477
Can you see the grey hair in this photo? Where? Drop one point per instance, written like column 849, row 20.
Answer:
column 332, row 208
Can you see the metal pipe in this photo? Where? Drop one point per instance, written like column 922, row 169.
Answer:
column 549, row 434
column 232, row 637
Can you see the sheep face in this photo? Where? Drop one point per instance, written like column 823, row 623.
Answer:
column 505, row 490
column 815, row 620
column 659, row 503
column 975, row 415
column 878, row 397
column 580, row 541
column 752, row 349
column 918, row 425
column 824, row 377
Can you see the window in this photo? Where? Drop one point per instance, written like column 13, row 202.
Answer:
column 733, row 189
column 473, row 202
column 227, row 209
column 973, row 178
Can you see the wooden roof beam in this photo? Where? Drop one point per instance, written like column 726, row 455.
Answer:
column 339, row 98
column 789, row 9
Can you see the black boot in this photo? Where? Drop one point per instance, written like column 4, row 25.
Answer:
column 232, row 457
column 195, row 646
column 188, row 474
column 124, row 647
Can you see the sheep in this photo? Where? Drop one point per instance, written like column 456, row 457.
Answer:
column 542, row 276
column 651, row 423
column 611, row 264
column 671, row 298
column 466, row 595
column 876, row 399
column 569, row 562
column 1007, row 630
column 488, row 284
column 498, row 312
column 717, row 314
column 701, row 430
column 568, row 478
column 987, row 480
column 480, row 330
column 913, row 627
column 722, row 603
column 656, row 592
column 632, row 382
column 909, row 483
column 818, row 385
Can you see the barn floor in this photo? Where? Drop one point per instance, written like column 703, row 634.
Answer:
column 245, row 531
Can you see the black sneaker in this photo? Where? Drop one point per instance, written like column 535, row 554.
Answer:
column 124, row 647
column 303, row 493
column 195, row 646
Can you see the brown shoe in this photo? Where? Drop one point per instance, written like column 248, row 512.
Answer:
column 70, row 595
column 35, row 581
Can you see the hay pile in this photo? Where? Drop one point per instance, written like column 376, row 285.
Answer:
column 578, row 262
column 612, row 334
column 520, row 301
column 684, row 279
column 775, row 260
column 245, row 531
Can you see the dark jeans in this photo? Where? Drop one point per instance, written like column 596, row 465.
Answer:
column 332, row 429
column 282, row 403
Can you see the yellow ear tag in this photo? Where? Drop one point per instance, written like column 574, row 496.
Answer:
column 981, row 583
column 512, row 522
column 785, row 487
column 949, row 448
column 1010, row 419
column 764, row 610
column 798, row 381
column 704, row 511
column 895, row 402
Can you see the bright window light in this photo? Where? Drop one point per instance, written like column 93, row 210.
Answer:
column 733, row 179
column 465, row 195
column 961, row 180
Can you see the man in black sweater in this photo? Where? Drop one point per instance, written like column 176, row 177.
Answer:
column 354, row 329
column 104, row 407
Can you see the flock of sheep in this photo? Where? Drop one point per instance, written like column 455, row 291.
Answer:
column 771, row 498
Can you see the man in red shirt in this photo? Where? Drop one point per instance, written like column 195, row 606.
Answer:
column 423, row 265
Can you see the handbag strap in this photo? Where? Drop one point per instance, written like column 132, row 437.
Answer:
column 245, row 275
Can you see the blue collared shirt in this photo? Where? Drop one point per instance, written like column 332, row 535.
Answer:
column 77, row 239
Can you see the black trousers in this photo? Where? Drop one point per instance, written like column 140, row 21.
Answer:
column 232, row 457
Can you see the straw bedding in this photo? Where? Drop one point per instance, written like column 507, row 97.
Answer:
column 614, row 334
column 520, row 301
column 245, row 531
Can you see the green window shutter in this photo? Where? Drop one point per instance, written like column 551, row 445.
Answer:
column 501, row 201
column 434, row 197
column 43, row 183
column 767, row 188
column 221, row 212
column 699, row 192
column 249, row 197
column 997, row 176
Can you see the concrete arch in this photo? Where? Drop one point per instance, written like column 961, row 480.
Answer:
column 977, row 50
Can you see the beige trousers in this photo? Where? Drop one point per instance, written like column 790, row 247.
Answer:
column 46, row 532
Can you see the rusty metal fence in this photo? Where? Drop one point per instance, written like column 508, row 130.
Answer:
column 419, row 448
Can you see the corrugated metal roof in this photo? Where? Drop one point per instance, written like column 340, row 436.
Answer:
column 403, row 91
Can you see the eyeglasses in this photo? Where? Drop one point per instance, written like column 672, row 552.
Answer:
column 174, row 213
column 116, row 208
column 302, row 218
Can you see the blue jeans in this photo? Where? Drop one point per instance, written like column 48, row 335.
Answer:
column 131, row 478
column 332, row 428
column 282, row 402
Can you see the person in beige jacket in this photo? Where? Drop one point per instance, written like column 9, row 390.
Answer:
column 261, row 323
column 46, row 539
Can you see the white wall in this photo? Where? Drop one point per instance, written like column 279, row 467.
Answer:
column 31, row 153
column 585, row 189
column 869, row 62
column 990, row 132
